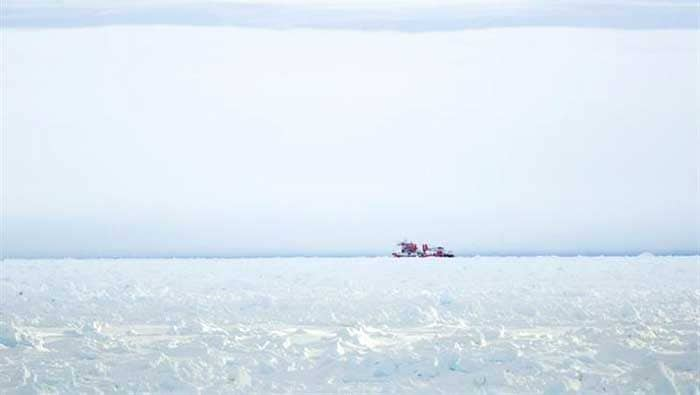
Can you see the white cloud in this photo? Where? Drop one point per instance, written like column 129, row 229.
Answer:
column 177, row 140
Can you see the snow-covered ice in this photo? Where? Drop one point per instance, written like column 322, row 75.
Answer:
column 351, row 325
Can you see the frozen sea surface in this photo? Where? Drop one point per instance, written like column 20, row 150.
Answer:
column 351, row 325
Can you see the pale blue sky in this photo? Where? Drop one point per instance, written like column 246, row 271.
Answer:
column 139, row 140
column 395, row 15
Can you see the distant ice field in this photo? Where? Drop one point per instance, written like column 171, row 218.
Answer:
column 351, row 325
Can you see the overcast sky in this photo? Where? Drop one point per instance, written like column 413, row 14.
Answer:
column 397, row 15
column 153, row 140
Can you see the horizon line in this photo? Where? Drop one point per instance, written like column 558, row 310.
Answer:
column 332, row 256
